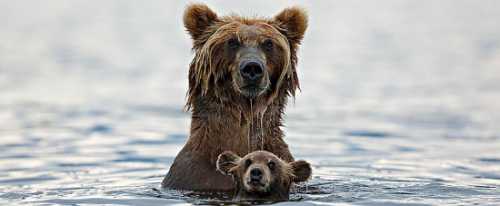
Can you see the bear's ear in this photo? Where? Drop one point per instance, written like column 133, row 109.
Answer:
column 293, row 23
column 301, row 171
column 198, row 18
column 227, row 161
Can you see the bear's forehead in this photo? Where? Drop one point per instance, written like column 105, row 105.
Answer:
column 262, row 156
column 251, row 30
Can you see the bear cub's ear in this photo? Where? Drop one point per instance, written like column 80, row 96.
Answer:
column 197, row 19
column 227, row 161
column 294, row 22
column 301, row 171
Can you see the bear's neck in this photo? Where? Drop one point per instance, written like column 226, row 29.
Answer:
column 241, row 125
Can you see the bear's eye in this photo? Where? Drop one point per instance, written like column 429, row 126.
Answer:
column 248, row 162
column 268, row 45
column 271, row 165
column 233, row 43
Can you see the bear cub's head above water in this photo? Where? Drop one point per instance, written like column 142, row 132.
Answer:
column 261, row 175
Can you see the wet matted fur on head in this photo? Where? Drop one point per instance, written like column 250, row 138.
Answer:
column 240, row 78
column 214, row 70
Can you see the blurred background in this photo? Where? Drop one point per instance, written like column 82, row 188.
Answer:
column 400, row 100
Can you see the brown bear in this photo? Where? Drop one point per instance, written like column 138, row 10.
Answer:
column 242, row 74
column 261, row 175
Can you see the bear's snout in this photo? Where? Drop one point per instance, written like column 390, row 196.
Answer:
column 257, row 178
column 255, row 175
column 252, row 71
column 252, row 77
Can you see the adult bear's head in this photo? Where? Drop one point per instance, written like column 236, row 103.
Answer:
column 246, row 58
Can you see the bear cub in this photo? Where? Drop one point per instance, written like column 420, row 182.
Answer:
column 261, row 175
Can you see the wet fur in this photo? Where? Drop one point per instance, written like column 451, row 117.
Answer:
column 284, row 174
column 222, row 119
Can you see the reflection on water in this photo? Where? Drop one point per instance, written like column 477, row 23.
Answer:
column 399, row 102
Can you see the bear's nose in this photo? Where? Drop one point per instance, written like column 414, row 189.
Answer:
column 252, row 70
column 255, row 174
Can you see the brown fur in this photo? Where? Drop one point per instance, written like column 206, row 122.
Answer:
column 276, row 178
column 222, row 117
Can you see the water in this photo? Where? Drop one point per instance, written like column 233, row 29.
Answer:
column 399, row 102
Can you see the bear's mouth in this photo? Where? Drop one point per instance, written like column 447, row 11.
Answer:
column 252, row 90
column 256, row 186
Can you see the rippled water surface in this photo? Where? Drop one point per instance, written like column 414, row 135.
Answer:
column 400, row 102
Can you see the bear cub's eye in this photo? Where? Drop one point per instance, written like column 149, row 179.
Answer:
column 233, row 43
column 248, row 162
column 268, row 45
column 271, row 165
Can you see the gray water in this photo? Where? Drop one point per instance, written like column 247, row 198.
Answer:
column 400, row 101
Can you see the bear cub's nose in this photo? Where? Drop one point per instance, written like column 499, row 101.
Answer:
column 255, row 175
column 252, row 70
